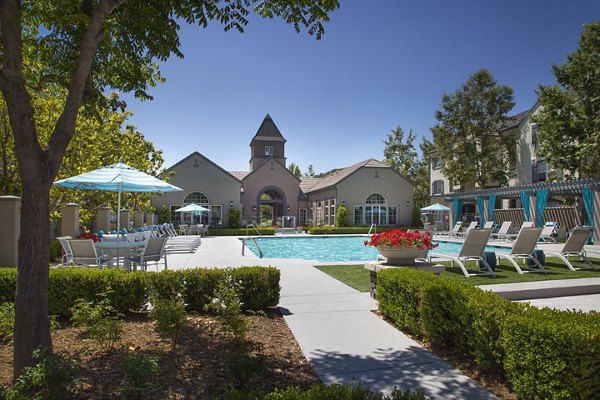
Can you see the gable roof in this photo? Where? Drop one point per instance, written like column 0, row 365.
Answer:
column 273, row 159
column 239, row 174
column 339, row 175
column 307, row 183
column 268, row 131
column 197, row 154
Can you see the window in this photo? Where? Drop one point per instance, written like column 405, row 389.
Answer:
column 376, row 198
column 358, row 215
column 216, row 216
column 268, row 150
column 540, row 172
column 196, row 198
column 175, row 215
column 512, row 203
column 376, row 215
column 534, row 131
column 332, row 211
column 302, row 217
column 393, row 215
column 436, row 164
column 437, row 188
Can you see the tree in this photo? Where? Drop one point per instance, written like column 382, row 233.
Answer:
column 341, row 216
column 86, row 47
column 310, row 172
column 401, row 154
column 467, row 136
column 568, row 122
column 295, row 169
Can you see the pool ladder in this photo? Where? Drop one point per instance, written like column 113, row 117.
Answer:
column 260, row 252
column 371, row 228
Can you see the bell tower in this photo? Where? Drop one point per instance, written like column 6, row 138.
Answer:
column 268, row 142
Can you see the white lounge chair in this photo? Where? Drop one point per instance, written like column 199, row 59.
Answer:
column 574, row 248
column 453, row 231
column 473, row 249
column 523, row 249
column 84, row 253
column 154, row 251
column 463, row 234
column 502, row 233
column 488, row 225
column 67, row 253
column 548, row 231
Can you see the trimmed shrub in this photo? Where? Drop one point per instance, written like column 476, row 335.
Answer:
column 356, row 230
column 7, row 322
column 552, row 354
column 259, row 287
column 341, row 217
column 200, row 286
column 8, row 284
column 167, row 284
column 399, row 296
column 55, row 251
column 235, row 216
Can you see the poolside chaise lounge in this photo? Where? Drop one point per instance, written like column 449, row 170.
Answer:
column 488, row 225
column 464, row 233
column 453, row 232
column 502, row 233
column 523, row 249
column 473, row 249
column 574, row 248
column 548, row 231
column 67, row 256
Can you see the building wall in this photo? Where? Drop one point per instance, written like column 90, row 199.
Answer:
column 270, row 174
column 257, row 152
column 220, row 187
column 355, row 189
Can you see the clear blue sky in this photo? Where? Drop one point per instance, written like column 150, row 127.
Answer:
column 380, row 64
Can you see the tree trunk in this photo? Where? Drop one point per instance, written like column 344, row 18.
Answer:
column 32, row 325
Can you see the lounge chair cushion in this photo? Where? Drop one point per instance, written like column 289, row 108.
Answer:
column 490, row 257
column 539, row 255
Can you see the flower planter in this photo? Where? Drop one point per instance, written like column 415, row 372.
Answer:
column 400, row 255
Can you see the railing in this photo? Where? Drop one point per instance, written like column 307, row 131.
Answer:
column 253, row 227
column 371, row 228
column 260, row 252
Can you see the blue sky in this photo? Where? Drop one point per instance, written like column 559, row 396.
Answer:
column 381, row 64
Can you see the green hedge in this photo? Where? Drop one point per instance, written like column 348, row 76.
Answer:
column 323, row 392
column 132, row 290
column 240, row 231
column 543, row 353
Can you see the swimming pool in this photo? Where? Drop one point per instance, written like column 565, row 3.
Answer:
column 334, row 248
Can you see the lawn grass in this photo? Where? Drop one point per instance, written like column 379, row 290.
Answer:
column 357, row 277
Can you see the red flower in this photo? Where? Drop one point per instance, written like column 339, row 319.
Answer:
column 89, row 235
column 400, row 238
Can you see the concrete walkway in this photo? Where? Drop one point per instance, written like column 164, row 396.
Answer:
column 343, row 340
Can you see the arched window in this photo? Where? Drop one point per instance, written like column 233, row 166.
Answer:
column 376, row 198
column 196, row 198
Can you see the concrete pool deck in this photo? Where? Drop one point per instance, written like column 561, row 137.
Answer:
column 341, row 337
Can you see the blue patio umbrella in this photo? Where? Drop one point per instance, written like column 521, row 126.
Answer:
column 192, row 208
column 118, row 177
column 435, row 207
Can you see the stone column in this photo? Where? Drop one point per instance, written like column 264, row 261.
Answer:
column 10, row 215
column 138, row 219
column 149, row 218
column 532, row 209
column 125, row 215
column 103, row 219
column 69, row 220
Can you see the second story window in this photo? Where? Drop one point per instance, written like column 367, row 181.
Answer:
column 534, row 141
column 540, row 172
column 437, row 188
column 436, row 164
column 268, row 150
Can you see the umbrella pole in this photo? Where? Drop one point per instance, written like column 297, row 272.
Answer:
column 119, row 213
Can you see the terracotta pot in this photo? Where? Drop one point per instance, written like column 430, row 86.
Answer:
column 399, row 255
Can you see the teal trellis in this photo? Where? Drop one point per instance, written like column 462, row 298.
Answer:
column 588, row 202
column 492, row 205
column 481, row 208
column 542, row 198
column 456, row 206
column 526, row 203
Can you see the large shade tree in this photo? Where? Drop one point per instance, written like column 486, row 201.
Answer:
column 467, row 137
column 88, row 46
column 569, row 117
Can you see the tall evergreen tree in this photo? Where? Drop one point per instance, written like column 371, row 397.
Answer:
column 467, row 137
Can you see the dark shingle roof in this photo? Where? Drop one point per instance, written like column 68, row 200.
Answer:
column 514, row 121
column 307, row 183
column 268, row 131
column 341, row 174
column 239, row 174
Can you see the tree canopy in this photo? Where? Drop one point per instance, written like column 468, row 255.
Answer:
column 295, row 169
column 568, row 120
column 467, row 137
column 87, row 47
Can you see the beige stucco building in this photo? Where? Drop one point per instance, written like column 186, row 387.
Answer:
column 373, row 192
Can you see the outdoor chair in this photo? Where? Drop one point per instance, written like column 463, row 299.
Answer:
column 463, row 234
column 548, row 232
column 574, row 248
column 488, row 225
column 154, row 251
column 502, row 233
column 473, row 249
column 524, row 249
column 84, row 253
column 67, row 254
column 453, row 232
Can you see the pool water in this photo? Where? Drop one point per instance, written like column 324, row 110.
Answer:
column 334, row 248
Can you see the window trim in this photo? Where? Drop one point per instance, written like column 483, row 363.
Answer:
column 268, row 150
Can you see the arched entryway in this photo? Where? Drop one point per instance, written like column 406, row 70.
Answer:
column 271, row 203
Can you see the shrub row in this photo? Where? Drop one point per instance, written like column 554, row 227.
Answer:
column 320, row 392
column 328, row 230
column 130, row 291
column 240, row 231
column 543, row 353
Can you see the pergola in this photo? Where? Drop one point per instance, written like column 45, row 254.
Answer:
column 534, row 198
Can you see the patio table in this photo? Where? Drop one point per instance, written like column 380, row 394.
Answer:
column 115, row 248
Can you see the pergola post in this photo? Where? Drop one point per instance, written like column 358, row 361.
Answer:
column 596, row 216
column 533, row 208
